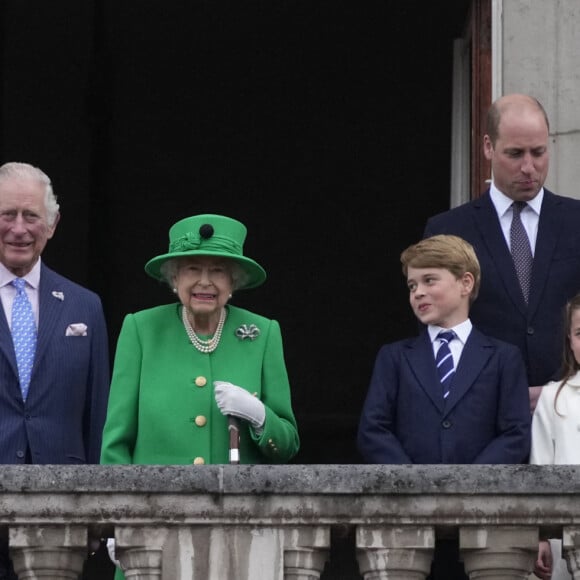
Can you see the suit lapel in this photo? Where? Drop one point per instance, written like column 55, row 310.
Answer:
column 6, row 345
column 491, row 233
column 548, row 235
column 475, row 356
column 419, row 354
column 50, row 308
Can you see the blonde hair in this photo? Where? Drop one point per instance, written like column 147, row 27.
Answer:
column 444, row 251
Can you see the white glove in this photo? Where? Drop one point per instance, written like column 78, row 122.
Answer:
column 111, row 551
column 233, row 400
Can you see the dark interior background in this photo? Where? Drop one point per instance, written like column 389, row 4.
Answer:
column 324, row 126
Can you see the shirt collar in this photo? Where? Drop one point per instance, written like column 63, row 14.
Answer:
column 461, row 331
column 33, row 277
column 502, row 202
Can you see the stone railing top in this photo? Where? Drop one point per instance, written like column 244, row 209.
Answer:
column 102, row 496
column 293, row 479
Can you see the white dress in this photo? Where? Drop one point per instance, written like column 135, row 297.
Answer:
column 556, row 441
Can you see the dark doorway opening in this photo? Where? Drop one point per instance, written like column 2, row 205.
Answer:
column 324, row 126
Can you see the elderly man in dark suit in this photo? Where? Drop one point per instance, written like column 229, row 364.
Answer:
column 522, row 297
column 54, row 360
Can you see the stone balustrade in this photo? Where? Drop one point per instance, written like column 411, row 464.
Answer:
column 276, row 522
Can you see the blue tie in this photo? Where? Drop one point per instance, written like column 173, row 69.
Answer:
column 444, row 360
column 23, row 334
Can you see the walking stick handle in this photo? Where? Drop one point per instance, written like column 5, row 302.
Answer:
column 234, row 433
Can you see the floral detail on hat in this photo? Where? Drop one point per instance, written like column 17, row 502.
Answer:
column 248, row 331
column 189, row 241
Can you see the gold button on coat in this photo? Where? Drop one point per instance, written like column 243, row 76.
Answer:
column 200, row 381
column 200, row 420
column 199, row 461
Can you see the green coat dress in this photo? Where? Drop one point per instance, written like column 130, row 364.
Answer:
column 162, row 408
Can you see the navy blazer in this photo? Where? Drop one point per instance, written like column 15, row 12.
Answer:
column 485, row 419
column 62, row 419
column 500, row 310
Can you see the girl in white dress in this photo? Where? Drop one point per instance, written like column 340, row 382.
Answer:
column 555, row 430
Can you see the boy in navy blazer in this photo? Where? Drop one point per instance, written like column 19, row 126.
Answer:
column 479, row 413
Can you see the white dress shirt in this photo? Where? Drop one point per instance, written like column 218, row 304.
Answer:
column 461, row 331
column 8, row 292
column 530, row 215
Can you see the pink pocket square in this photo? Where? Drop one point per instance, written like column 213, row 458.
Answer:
column 78, row 329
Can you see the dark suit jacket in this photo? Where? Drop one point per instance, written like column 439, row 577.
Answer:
column 500, row 310
column 485, row 419
column 62, row 419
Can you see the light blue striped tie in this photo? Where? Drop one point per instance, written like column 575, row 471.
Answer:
column 23, row 334
column 444, row 360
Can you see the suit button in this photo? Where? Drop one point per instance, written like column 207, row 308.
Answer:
column 200, row 381
column 200, row 421
column 199, row 461
column 530, row 330
column 446, row 424
column 20, row 454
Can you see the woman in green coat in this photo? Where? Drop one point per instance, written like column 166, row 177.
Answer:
column 169, row 357
column 182, row 370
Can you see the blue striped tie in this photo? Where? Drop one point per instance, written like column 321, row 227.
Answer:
column 23, row 334
column 444, row 360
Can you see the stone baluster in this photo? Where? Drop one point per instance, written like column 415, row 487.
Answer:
column 139, row 549
column 498, row 552
column 306, row 551
column 51, row 551
column 395, row 552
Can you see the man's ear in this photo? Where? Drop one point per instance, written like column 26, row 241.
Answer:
column 487, row 147
column 52, row 229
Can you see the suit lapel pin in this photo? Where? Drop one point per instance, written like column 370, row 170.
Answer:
column 59, row 295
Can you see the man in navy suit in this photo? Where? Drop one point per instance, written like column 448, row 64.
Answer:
column 59, row 417
column 516, row 144
column 476, row 412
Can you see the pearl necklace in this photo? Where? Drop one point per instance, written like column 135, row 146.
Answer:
column 209, row 345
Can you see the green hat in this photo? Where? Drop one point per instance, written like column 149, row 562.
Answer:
column 208, row 235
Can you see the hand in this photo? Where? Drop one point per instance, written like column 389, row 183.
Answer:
column 543, row 564
column 535, row 393
column 233, row 400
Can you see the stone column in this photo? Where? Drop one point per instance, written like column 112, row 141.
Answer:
column 139, row 549
column 395, row 552
column 306, row 551
column 498, row 552
column 571, row 550
column 56, row 552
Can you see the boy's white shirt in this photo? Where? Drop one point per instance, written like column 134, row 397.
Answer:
column 462, row 332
